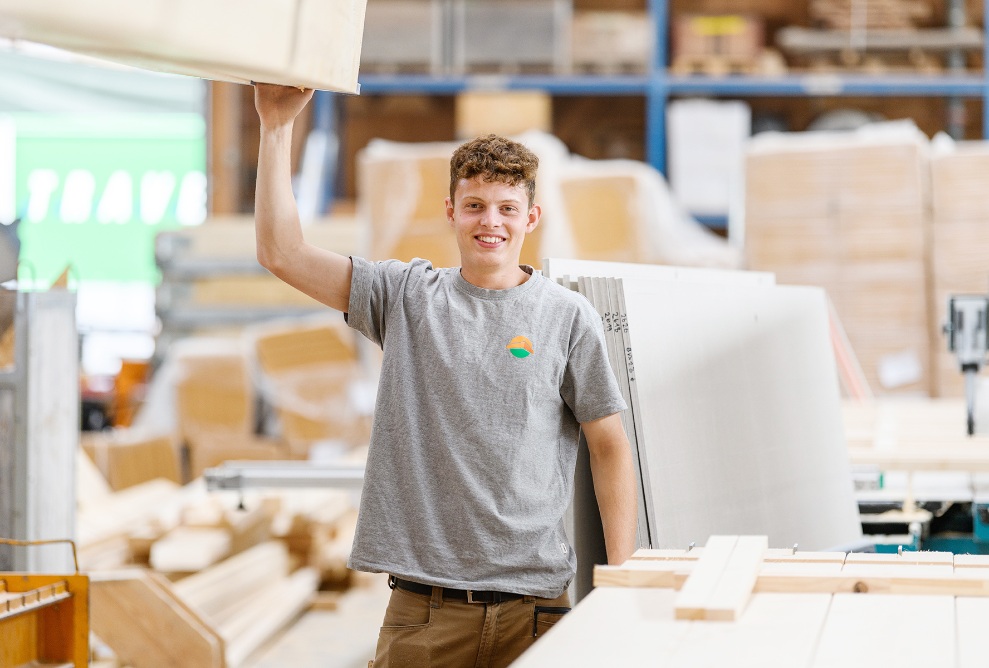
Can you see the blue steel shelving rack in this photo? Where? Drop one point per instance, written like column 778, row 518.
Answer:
column 658, row 86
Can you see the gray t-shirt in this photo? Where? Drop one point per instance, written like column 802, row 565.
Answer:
column 474, row 440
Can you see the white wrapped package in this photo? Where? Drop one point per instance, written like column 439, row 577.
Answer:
column 311, row 43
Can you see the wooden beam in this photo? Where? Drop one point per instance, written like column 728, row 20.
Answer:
column 700, row 586
column 147, row 626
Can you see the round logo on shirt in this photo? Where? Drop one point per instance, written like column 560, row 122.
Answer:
column 520, row 347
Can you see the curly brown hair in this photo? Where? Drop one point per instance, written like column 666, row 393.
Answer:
column 495, row 158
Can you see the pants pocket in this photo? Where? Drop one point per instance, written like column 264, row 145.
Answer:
column 544, row 617
column 406, row 610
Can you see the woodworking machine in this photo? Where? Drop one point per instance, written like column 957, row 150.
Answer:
column 967, row 330
column 239, row 476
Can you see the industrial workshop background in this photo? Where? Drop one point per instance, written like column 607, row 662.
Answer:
column 780, row 206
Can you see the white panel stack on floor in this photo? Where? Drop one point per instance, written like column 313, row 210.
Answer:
column 312, row 43
column 736, row 603
column 734, row 401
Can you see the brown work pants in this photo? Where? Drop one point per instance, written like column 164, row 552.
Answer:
column 421, row 631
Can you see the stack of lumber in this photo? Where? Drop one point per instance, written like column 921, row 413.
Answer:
column 214, row 618
column 608, row 42
column 735, row 602
column 400, row 194
column 960, row 245
column 214, row 265
column 623, row 211
column 683, row 340
column 127, row 457
column 847, row 212
column 309, row 371
column 214, row 403
column 870, row 14
column 186, row 578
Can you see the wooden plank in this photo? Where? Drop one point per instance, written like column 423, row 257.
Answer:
column 699, row 588
column 970, row 625
column 734, row 588
column 190, row 549
column 218, row 590
column 909, row 631
column 908, row 557
column 264, row 615
column 147, row 626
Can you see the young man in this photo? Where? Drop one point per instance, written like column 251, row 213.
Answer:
column 489, row 373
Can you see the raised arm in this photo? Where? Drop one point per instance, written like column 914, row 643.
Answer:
column 282, row 250
column 614, row 484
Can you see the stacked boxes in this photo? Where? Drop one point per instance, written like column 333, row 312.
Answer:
column 959, row 246
column 847, row 212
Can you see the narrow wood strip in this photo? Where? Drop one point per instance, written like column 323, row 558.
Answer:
column 734, row 589
column 700, row 586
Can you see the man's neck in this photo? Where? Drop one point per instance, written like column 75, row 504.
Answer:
column 499, row 279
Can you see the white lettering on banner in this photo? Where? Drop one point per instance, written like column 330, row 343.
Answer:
column 191, row 207
column 156, row 193
column 77, row 196
column 117, row 202
column 41, row 185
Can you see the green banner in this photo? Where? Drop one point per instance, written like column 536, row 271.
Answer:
column 93, row 190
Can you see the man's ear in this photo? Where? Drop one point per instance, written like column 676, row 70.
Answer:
column 535, row 214
column 448, row 202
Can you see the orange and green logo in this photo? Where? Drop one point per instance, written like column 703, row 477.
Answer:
column 520, row 347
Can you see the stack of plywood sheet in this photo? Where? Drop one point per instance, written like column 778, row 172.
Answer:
column 735, row 602
column 127, row 457
column 735, row 419
column 960, row 246
column 870, row 14
column 314, row 43
column 310, row 372
column 847, row 212
column 215, row 399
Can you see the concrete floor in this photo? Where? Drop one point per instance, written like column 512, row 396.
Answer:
column 340, row 638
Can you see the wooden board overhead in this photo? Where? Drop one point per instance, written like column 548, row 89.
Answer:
column 311, row 43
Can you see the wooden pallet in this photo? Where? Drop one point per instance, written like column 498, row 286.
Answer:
column 714, row 65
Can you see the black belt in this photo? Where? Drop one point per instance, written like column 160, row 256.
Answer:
column 469, row 595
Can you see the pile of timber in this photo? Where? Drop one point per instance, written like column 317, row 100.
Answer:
column 959, row 241
column 736, row 602
column 869, row 14
column 182, row 577
column 848, row 212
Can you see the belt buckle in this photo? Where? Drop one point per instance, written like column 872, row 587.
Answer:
column 470, row 597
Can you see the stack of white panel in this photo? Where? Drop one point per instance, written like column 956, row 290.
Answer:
column 735, row 418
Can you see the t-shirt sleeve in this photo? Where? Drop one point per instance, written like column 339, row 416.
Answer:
column 589, row 384
column 375, row 288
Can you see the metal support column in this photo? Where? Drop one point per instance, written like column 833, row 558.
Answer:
column 39, row 432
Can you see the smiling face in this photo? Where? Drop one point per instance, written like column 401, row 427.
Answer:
column 491, row 219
